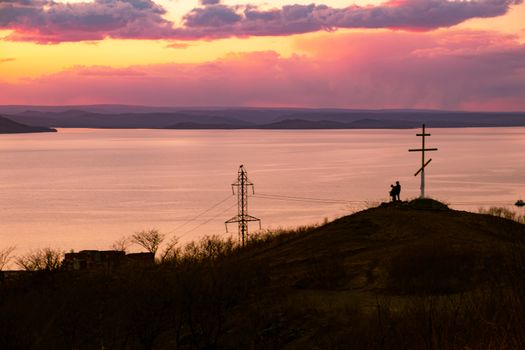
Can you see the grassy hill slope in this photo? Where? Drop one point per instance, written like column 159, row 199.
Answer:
column 423, row 235
column 406, row 275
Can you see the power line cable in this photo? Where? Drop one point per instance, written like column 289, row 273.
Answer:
column 336, row 201
column 482, row 203
column 305, row 199
column 280, row 197
column 298, row 200
column 207, row 221
column 200, row 214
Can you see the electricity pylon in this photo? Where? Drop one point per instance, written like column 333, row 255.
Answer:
column 242, row 217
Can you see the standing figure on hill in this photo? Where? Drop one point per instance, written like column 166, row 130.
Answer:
column 392, row 193
column 397, row 192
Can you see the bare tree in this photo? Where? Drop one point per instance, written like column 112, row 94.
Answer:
column 171, row 252
column 48, row 259
column 121, row 244
column 5, row 256
column 148, row 239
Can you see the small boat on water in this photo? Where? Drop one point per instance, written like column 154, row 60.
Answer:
column 520, row 203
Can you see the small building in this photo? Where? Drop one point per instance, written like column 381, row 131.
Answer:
column 14, row 276
column 104, row 259
column 93, row 259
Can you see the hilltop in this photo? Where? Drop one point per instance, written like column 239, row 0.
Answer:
column 402, row 275
column 411, row 261
column 7, row 126
column 440, row 250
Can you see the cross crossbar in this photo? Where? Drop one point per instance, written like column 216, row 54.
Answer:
column 421, row 150
column 423, row 134
column 424, row 166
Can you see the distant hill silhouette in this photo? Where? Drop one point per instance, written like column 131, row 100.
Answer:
column 8, row 126
column 114, row 116
column 82, row 119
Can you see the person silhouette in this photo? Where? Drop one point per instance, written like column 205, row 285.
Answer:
column 397, row 191
column 392, row 193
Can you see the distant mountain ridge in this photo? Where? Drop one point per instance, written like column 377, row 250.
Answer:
column 130, row 117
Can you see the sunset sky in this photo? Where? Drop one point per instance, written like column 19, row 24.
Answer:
column 464, row 55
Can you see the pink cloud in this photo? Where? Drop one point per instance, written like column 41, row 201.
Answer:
column 178, row 45
column 46, row 21
column 378, row 70
column 102, row 71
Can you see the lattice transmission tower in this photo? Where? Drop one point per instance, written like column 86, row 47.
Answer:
column 242, row 217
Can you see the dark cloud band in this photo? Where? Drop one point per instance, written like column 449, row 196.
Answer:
column 417, row 15
column 50, row 22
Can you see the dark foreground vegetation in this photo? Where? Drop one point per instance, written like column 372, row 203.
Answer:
column 401, row 276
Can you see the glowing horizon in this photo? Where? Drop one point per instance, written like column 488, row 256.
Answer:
column 398, row 54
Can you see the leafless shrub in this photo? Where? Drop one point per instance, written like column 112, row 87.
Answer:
column 277, row 236
column 504, row 213
column 122, row 244
column 149, row 240
column 171, row 252
column 6, row 256
column 208, row 248
column 47, row 259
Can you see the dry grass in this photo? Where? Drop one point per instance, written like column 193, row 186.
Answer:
column 373, row 280
column 504, row 213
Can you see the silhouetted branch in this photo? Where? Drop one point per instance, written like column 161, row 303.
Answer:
column 122, row 244
column 171, row 252
column 148, row 239
column 48, row 259
column 5, row 256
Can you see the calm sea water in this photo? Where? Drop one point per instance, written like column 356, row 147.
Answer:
column 83, row 189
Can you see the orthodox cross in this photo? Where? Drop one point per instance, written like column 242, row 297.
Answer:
column 424, row 163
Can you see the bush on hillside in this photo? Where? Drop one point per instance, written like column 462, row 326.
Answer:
column 504, row 213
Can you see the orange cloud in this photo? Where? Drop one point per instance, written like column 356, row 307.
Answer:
column 443, row 70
